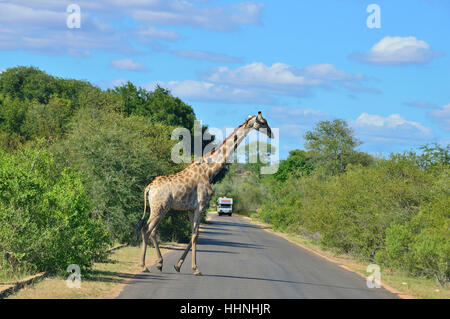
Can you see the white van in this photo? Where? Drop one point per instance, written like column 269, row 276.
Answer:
column 224, row 206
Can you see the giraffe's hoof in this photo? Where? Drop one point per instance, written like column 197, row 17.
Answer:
column 177, row 268
column 197, row 272
column 145, row 269
column 159, row 267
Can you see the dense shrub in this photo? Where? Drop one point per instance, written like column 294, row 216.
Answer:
column 44, row 216
column 422, row 245
column 118, row 157
column 175, row 226
column 47, row 120
column 352, row 211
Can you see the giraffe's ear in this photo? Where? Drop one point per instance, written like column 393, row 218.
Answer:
column 249, row 116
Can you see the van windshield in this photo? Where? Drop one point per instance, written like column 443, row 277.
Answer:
column 225, row 205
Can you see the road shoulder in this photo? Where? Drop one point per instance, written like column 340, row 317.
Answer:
column 106, row 281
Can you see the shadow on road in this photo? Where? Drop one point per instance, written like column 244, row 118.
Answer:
column 215, row 233
column 220, row 243
column 285, row 281
column 226, row 223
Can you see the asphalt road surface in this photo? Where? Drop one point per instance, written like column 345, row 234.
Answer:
column 240, row 260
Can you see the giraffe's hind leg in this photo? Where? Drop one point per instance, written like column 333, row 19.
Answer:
column 144, row 246
column 150, row 231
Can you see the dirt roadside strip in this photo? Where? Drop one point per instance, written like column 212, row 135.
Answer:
column 9, row 288
column 268, row 228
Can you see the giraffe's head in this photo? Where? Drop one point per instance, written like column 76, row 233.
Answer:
column 260, row 124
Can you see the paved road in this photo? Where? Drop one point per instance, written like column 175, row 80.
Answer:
column 240, row 260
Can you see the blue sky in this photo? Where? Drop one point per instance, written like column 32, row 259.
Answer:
column 298, row 62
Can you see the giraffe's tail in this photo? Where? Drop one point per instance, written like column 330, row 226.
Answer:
column 141, row 221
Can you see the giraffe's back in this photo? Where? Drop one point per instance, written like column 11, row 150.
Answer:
column 176, row 191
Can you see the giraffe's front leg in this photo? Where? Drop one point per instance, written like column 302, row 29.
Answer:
column 194, row 252
column 195, row 234
column 186, row 250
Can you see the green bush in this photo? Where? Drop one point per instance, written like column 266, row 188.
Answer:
column 44, row 216
column 175, row 226
column 422, row 245
column 242, row 184
column 394, row 212
column 297, row 164
column 118, row 157
column 350, row 211
column 47, row 120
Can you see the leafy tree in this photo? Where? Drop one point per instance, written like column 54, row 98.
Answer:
column 434, row 155
column 47, row 120
column 331, row 144
column 12, row 113
column 118, row 157
column 159, row 105
column 297, row 164
column 27, row 83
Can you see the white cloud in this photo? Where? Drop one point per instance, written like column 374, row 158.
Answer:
column 207, row 91
column 44, row 31
column 284, row 79
column 128, row 64
column 391, row 129
column 421, row 104
column 259, row 74
column 280, row 75
column 111, row 84
column 259, row 83
column 442, row 117
column 19, row 15
column 206, row 56
column 150, row 33
column 185, row 13
column 42, row 28
column 397, row 51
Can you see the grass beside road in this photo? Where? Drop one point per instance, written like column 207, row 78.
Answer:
column 106, row 280
column 396, row 281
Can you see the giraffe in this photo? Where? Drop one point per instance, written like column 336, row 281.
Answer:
column 190, row 190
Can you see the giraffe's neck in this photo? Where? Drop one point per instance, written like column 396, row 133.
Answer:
column 215, row 160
